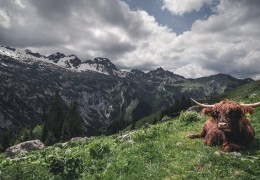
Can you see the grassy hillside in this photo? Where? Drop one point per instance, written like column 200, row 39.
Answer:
column 149, row 119
column 160, row 152
column 246, row 93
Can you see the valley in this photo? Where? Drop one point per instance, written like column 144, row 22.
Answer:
column 106, row 95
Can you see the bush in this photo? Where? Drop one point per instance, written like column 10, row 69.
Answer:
column 188, row 117
column 97, row 151
column 1, row 148
column 50, row 139
column 25, row 135
column 37, row 132
column 66, row 168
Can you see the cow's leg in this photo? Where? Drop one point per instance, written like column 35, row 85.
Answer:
column 210, row 141
column 229, row 147
column 193, row 136
column 248, row 135
column 202, row 134
column 214, row 137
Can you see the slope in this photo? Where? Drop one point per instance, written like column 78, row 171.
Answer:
column 159, row 152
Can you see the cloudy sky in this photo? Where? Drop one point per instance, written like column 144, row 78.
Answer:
column 192, row 38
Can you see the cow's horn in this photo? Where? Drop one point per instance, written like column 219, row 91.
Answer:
column 202, row 105
column 251, row 105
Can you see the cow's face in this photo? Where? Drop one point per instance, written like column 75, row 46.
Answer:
column 228, row 114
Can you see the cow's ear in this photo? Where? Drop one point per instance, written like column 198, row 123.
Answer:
column 247, row 110
column 208, row 111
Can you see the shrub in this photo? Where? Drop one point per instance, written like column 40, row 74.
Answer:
column 65, row 167
column 97, row 151
column 37, row 132
column 1, row 148
column 188, row 117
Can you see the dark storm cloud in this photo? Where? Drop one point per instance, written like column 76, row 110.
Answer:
column 99, row 27
column 27, row 28
column 57, row 9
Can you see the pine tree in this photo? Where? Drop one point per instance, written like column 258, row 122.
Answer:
column 25, row 135
column 50, row 139
column 133, row 125
column 177, row 106
column 57, row 126
column 163, row 113
column 155, row 120
column 66, row 130
column 45, row 128
column 75, row 120
column 52, row 129
column 5, row 140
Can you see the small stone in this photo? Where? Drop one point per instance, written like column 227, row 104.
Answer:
column 146, row 126
column 126, row 137
column 217, row 153
column 80, row 139
column 179, row 143
column 236, row 154
column 131, row 142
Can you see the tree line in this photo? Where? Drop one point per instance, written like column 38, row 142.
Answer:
column 175, row 109
column 60, row 123
column 171, row 111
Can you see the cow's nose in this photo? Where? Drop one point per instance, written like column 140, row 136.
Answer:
column 222, row 125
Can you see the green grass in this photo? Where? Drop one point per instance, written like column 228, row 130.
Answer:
column 246, row 93
column 160, row 152
column 149, row 119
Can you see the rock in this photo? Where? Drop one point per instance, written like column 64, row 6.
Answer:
column 179, row 143
column 236, row 154
column 75, row 139
column 146, row 126
column 63, row 145
column 24, row 147
column 217, row 153
column 126, row 136
column 79, row 139
column 196, row 108
column 130, row 141
column 165, row 118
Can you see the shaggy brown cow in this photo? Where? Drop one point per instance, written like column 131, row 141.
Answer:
column 228, row 126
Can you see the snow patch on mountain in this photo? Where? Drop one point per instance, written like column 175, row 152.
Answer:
column 71, row 62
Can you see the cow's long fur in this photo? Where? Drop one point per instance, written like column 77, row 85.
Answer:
column 240, row 134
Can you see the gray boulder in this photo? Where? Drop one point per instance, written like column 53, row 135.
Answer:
column 194, row 109
column 76, row 139
column 127, row 136
column 80, row 139
column 24, row 147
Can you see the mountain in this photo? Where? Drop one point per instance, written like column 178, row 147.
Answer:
column 108, row 97
column 161, row 151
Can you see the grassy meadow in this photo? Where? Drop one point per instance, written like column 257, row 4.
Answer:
column 162, row 151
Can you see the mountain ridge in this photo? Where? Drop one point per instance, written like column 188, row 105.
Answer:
column 108, row 97
column 72, row 61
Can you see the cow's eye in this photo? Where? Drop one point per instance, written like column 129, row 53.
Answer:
column 216, row 114
column 235, row 114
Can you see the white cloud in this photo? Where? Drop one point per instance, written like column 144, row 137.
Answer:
column 180, row 7
column 228, row 41
column 4, row 19
column 152, row 50
column 19, row 3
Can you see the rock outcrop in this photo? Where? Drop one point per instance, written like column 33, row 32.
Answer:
column 24, row 147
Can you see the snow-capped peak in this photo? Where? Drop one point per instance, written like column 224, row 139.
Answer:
column 71, row 62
